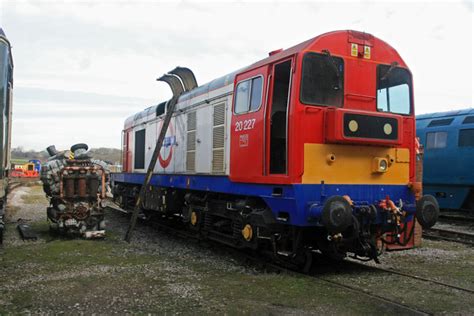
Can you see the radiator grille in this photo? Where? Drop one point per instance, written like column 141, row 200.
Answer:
column 219, row 114
column 218, row 160
column 192, row 121
column 218, row 138
column 191, row 142
column 191, row 161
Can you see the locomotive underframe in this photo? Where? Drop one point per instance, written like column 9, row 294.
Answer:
column 224, row 217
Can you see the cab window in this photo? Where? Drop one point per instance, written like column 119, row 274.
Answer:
column 322, row 80
column 248, row 96
column 393, row 89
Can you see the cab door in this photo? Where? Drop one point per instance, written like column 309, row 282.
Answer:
column 247, row 150
column 277, row 119
column 126, row 152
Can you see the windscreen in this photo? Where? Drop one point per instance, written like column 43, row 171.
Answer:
column 393, row 89
column 322, row 80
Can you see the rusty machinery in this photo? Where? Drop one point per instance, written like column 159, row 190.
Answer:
column 76, row 185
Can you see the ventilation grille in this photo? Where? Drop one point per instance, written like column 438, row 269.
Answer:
column 191, row 142
column 218, row 138
column 218, row 160
column 192, row 121
column 219, row 114
column 191, row 161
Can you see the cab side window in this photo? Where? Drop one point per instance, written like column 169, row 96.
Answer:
column 248, row 96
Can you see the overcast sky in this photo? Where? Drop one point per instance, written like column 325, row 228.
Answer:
column 82, row 67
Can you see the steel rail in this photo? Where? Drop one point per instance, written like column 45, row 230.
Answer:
column 449, row 235
column 416, row 277
column 456, row 218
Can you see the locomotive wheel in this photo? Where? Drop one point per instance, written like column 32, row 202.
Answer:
column 427, row 211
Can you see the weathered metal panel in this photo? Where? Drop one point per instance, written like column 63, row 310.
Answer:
column 204, row 140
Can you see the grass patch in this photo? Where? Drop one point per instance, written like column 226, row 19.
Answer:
column 58, row 254
column 11, row 211
column 76, row 276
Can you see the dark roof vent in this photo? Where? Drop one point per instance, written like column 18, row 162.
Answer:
column 442, row 122
column 274, row 52
column 468, row 120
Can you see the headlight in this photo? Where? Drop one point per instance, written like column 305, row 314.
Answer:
column 383, row 165
column 380, row 165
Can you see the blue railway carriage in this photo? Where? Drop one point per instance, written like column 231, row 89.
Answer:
column 448, row 165
column 6, row 88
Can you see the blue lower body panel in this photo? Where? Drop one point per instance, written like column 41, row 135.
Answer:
column 302, row 202
column 448, row 196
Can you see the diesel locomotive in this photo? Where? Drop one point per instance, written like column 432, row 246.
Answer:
column 448, row 137
column 6, row 90
column 310, row 149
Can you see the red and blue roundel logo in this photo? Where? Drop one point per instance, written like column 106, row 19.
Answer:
column 166, row 152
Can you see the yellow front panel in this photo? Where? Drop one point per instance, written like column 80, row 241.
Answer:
column 346, row 164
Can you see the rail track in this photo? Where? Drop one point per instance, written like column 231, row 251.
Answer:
column 412, row 276
column 263, row 263
column 18, row 182
column 456, row 217
column 449, row 235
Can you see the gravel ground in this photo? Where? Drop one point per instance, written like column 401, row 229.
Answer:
column 160, row 274
column 27, row 204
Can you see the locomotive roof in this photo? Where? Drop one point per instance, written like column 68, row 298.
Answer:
column 356, row 36
column 462, row 112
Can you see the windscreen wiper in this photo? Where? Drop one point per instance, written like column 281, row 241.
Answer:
column 392, row 67
column 334, row 66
